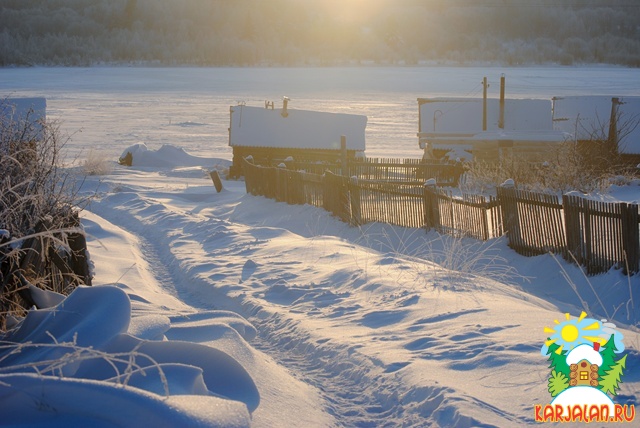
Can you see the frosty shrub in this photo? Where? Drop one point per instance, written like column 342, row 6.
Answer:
column 585, row 165
column 33, row 186
column 568, row 167
column 97, row 164
column 562, row 170
column 37, row 206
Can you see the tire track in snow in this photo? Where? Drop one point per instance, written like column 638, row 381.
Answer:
column 353, row 393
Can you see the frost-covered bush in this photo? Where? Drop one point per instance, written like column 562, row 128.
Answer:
column 33, row 186
column 570, row 166
column 37, row 208
column 97, row 164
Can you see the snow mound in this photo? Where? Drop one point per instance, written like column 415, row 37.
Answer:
column 167, row 156
column 81, row 351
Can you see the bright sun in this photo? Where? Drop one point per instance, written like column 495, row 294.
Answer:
column 573, row 332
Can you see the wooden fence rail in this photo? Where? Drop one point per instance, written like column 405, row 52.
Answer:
column 384, row 169
column 400, row 204
column 470, row 215
column 601, row 235
column 594, row 234
column 533, row 221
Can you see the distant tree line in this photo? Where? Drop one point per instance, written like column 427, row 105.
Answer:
column 318, row 32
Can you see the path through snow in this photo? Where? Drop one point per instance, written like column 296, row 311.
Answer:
column 382, row 337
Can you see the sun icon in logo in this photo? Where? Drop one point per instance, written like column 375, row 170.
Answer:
column 573, row 332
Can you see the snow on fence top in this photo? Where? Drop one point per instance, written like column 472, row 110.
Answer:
column 15, row 111
column 587, row 116
column 290, row 128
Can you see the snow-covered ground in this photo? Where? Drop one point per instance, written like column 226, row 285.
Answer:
column 255, row 312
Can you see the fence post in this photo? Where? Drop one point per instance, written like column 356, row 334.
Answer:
column 576, row 249
column 344, row 207
column 326, row 191
column 430, row 205
column 509, row 205
column 630, row 238
column 356, row 209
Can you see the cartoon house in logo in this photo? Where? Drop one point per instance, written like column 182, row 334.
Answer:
column 584, row 363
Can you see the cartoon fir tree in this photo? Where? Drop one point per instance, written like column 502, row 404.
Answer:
column 611, row 380
column 558, row 382
column 558, row 360
column 608, row 354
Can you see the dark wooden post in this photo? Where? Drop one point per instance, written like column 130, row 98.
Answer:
column 215, row 177
column 345, row 206
column 430, row 205
column 507, row 198
column 356, row 208
column 630, row 238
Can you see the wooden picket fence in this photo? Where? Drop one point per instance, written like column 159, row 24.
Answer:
column 593, row 234
column 533, row 221
column 384, row 169
column 471, row 216
column 397, row 203
column 601, row 235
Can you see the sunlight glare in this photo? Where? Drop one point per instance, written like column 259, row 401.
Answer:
column 360, row 12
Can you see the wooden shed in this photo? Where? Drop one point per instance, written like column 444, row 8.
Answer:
column 464, row 128
column 271, row 135
column 456, row 127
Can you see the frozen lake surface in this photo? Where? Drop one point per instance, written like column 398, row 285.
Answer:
column 111, row 108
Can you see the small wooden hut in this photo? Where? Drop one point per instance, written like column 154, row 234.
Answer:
column 272, row 135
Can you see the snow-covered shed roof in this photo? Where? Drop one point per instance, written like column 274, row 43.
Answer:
column 464, row 115
column 584, row 116
column 304, row 129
